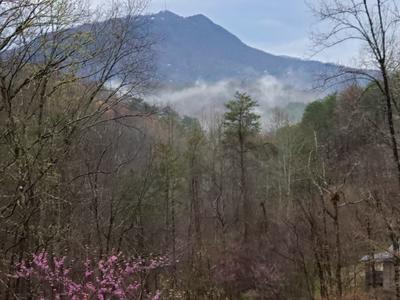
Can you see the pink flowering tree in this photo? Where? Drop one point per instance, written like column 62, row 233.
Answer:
column 113, row 278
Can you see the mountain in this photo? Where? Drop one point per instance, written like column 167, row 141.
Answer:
column 199, row 66
column 191, row 49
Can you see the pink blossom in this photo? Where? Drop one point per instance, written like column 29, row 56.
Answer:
column 115, row 277
column 157, row 296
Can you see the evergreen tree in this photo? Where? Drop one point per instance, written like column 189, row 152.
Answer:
column 241, row 123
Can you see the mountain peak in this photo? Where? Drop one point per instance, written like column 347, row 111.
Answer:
column 195, row 48
column 171, row 15
column 199, row 17
column 167, row 14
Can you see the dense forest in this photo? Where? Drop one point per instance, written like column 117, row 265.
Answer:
column 103, row 196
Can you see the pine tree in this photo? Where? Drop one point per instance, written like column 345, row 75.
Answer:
column 241, row 124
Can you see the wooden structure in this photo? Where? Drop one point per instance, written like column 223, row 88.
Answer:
column 379, row 270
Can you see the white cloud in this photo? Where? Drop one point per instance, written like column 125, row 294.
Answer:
column 198, row 100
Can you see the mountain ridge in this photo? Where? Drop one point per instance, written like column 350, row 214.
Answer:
column 194, row 48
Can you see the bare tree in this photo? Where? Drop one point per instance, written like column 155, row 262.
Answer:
column 60, row 74
column 376, row 25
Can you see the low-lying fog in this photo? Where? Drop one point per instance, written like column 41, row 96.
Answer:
column 203, row 98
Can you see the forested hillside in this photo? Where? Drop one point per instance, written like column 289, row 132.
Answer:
column 191, row 49
column 104, row 196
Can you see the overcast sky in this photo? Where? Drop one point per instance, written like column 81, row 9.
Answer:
column 281, row 27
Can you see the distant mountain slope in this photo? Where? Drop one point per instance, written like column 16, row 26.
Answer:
column 189, row 49
column 199, row 66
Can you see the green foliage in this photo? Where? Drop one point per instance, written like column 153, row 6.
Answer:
column 319, row 115
column 240, row 121
column 372, row 104
column 190, row 123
